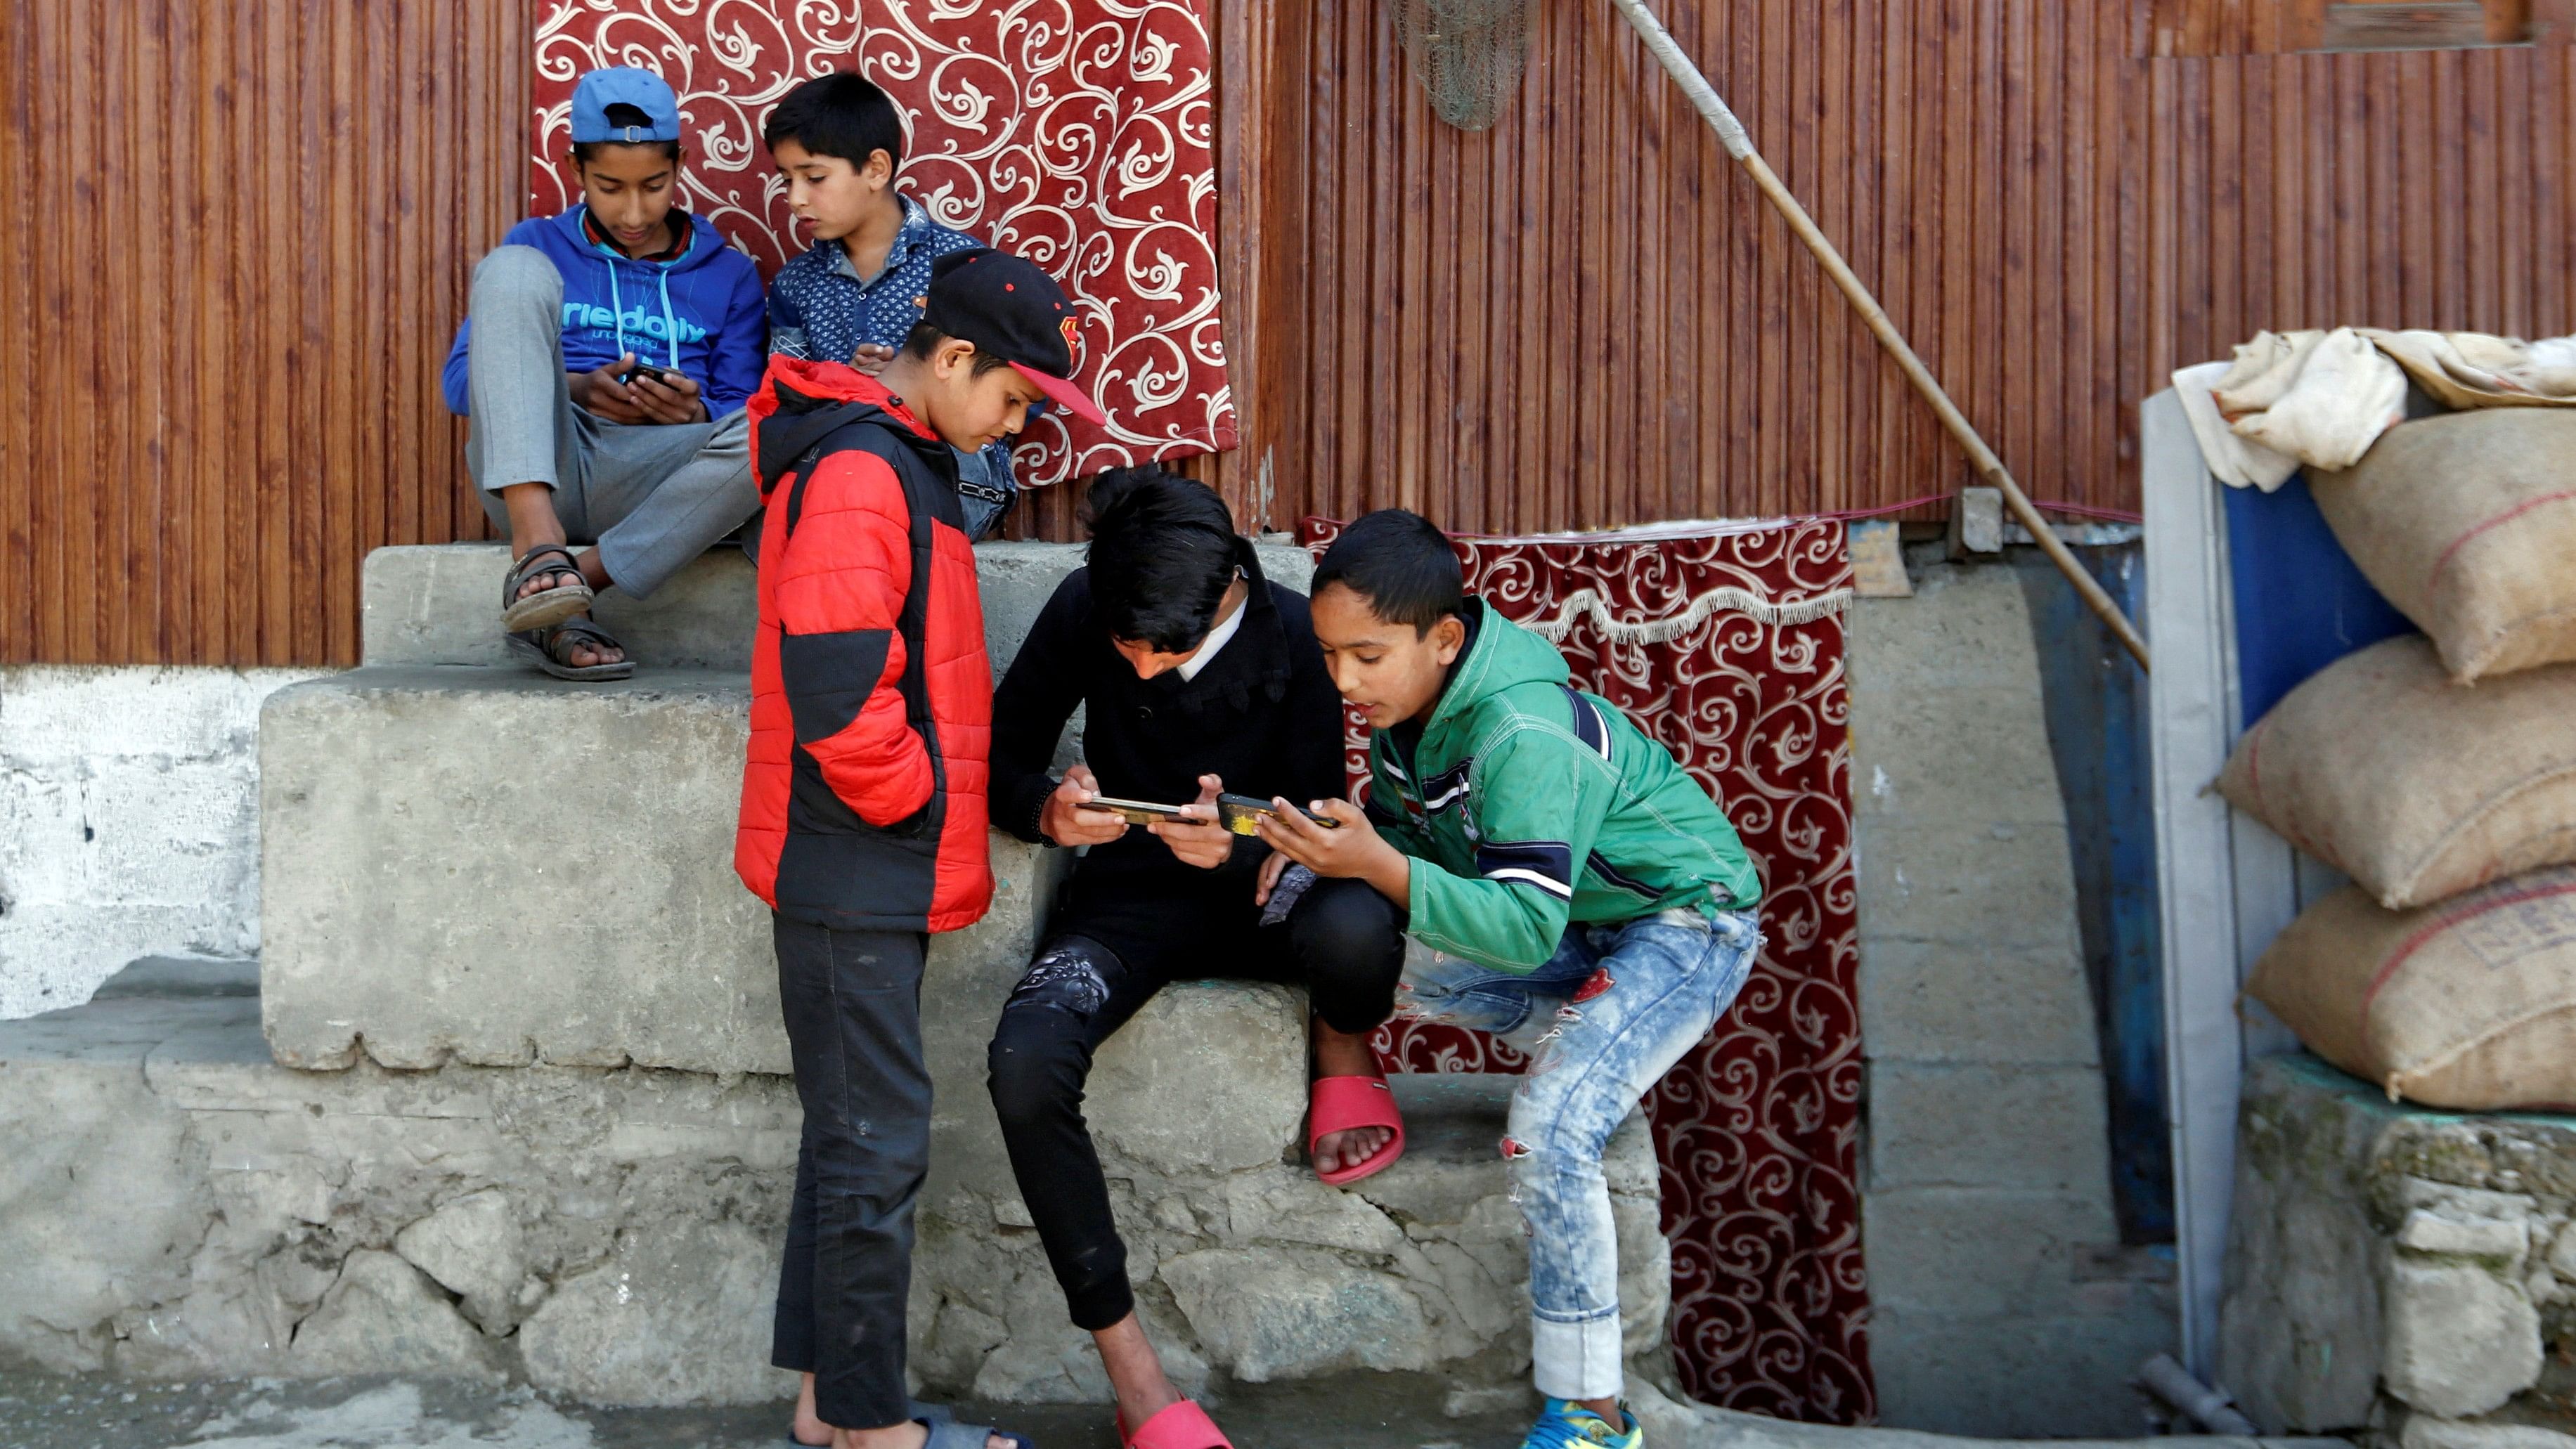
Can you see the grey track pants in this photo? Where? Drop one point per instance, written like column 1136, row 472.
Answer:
column 652, row 496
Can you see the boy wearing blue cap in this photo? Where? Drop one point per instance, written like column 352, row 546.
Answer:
column 603, row 364
column 857, row 292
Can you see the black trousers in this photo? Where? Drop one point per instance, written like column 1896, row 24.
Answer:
column 1342, row 941
column 853, row 1006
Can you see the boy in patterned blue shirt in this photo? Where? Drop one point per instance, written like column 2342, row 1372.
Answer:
column 856, row 293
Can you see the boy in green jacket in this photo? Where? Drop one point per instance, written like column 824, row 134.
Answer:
column 1573, row 879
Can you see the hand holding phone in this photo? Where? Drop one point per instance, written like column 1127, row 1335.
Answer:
column 1064, row 820
column 1243, row 814
column 665, row 396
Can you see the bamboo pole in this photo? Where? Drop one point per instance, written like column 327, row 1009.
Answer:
column 1731, row 134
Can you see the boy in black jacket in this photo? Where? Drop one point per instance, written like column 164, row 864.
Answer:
column 1199, row 677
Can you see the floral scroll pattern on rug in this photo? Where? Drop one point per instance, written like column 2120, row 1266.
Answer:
column 1728, row 646
column 1078, row 133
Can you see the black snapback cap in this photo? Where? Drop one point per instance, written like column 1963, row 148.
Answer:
column 1007, row 307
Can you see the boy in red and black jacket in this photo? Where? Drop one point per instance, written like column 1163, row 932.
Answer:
column 863, row 797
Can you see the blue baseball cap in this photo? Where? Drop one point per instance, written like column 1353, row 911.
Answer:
column 624, row 85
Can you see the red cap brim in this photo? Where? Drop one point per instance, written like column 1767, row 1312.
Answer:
column 1065, row 395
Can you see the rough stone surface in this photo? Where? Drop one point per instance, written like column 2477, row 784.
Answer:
column 2003, row 1302
column 678, row 1313
column 473, row 1248
column 2428, row 1431
column 2378, row 1248
column 1977, row 525
column 2427, row 1230
column 2461, row 1340
column 1295, row 1313
column 184, row 1207
column 129, row 822
column 382, row 1316
column 2300, row 1334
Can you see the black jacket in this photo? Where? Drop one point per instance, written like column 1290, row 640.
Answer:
column 1263, row 714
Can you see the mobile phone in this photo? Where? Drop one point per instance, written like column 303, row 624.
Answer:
column 1134, row 812
column 642, row 369
column 1242, row 812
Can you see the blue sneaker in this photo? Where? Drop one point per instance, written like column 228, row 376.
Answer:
column 1571, row 1426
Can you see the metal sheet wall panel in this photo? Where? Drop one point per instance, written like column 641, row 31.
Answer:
column 248, row 228
column 1587, row 317
column 243, row 233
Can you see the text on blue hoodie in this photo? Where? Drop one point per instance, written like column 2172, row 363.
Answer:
column 699, row 314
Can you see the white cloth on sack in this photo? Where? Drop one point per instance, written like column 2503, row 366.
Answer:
column 2322, row 399
column 2234, row 461
column 2476, row 370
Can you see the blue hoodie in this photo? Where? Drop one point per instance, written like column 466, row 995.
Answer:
column 709, row 296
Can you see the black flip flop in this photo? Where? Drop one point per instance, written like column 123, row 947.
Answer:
column 549, row 649
column 546, row 607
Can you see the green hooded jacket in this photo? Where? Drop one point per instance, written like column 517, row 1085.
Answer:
column 1529, row 806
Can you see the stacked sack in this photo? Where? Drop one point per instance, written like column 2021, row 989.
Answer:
column 2439, row 772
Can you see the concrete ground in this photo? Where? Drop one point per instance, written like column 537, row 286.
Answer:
column 39, row 1411
column 1359, row 1411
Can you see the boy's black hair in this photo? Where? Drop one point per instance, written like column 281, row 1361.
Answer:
column 622, row 114
column 1401, row 564
column 923, row 341
column 1163, row 553
column 843, row 114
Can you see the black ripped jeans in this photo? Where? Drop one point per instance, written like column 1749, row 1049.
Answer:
column 1342, row 941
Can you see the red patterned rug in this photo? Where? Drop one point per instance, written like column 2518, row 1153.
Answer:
column 1078, row 133
column 1728, row 646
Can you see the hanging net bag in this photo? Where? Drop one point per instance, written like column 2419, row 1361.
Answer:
column 1467, row 54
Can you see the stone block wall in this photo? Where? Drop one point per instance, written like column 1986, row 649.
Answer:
column 2396, row 1272
column 175, row 1205
column 2004, row 1302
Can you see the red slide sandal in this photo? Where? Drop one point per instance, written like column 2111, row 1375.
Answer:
column 1339, row 1104
column 1182, row 1426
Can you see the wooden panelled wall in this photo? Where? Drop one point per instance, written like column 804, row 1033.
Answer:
column 247, row 227
column 241, row 234
column 1586, row 316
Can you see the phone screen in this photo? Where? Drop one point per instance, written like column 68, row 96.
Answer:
column 1240, row 812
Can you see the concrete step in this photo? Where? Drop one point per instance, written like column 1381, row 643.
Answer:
column 489, row 866
column 178, row 1206
column 440, row 603
column 463, row 859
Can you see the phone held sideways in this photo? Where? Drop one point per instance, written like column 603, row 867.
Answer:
column 1134, row 812
column 1237, row 812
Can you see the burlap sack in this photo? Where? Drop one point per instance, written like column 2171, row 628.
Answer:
column 2416, row 787
column 2467, row 522
column 2469, row 1004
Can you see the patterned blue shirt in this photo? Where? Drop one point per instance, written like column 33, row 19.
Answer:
column 820, row 306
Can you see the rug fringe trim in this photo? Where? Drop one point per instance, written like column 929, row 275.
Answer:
column 1588, row 603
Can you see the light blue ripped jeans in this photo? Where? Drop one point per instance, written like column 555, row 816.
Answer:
column 1606, row 1017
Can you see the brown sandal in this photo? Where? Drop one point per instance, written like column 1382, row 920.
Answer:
column 546, row 607
column 551, row 650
